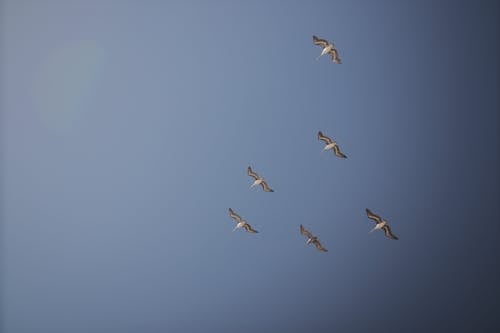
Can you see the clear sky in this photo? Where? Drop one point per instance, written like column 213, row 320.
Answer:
column 127, row 128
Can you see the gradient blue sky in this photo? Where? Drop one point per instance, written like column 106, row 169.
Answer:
column 127, row 128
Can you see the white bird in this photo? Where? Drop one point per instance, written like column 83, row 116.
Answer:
column 240, row 223
column 312, row 239
column 380, row 224
column 328, row 48
column 258, row 180
column 330, row 144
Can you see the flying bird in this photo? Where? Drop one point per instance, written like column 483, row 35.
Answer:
column 240, row 223
column 258, row 180
column 330, row 144
column 312, row 239
column 328, row 48
column 380, row 224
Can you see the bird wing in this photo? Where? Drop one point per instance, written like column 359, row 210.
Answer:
column 305, row 232
column 252, row 174
column 319, row 246
column 335, row 55
column 249, row 228
column 266, row 187
column 324, row 138
column 388, row 232
column 319, row 41
column 234, row 215
column 372, row 216
column 336, row 150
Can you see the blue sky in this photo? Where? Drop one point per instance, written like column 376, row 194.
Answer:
column 127, row 128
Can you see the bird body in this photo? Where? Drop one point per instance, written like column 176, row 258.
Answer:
column 326, row 49
column 330, row 146
column 257, row 182
column 239, row 225
column 311, row 240
column 378, row 226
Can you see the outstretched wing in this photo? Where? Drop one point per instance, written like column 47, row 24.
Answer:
column 373, row 216
column 249, row 228
column 335, row 56
column 252, row 174
column 337, row 152
column 234, row 215
column 266, row 187
column 324, row 138
column 388, row 232
column 319, row 246
column 318, row 41
column 305, row 232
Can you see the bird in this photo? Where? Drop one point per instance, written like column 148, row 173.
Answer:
column 380, row 224
column 240, row 223
column 258, row 180
column 330, row 144
column 328, row 48
column 312, row 239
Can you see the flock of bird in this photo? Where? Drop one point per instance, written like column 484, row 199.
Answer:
column 327, row 48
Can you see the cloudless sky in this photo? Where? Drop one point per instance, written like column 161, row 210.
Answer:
column 127, row 128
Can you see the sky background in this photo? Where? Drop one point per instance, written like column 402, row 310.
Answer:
column 127, row 128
